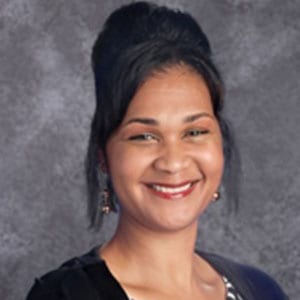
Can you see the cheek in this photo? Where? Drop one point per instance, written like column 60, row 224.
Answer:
column 119, row 169
column 212, row 159
column 125, row 162
column 118, row 161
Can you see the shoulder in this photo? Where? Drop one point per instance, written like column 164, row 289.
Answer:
column 70, row 281
column 249, row 280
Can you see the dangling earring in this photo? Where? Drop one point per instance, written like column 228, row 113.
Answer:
column 216, row 197
column 105, row 205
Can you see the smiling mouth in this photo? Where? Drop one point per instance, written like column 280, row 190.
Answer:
column 172, row 191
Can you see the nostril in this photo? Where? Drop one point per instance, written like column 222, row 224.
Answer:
column 171, row 163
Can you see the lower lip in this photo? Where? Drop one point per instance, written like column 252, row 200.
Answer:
column 173, row 196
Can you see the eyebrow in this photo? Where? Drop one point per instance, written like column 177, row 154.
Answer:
column 195, row 117
column 188, row 119
column 146, row 121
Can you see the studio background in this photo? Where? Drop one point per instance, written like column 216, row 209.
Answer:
column 47, row 100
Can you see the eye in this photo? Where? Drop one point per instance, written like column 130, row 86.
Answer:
column 196, row 132
column 143, row 137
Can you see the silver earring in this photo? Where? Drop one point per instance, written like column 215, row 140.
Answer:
column 216, row 197
column 105, row 205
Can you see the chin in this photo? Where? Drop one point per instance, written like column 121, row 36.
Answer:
column 176, row 224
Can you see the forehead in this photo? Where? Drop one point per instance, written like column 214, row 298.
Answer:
column 177, row 88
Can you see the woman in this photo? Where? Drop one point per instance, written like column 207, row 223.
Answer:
column 159, row 149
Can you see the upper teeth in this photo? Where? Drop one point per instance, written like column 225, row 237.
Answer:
column 171, row 190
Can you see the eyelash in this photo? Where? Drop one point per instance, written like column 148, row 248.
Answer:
column 197, row 131
column 142, row 137
column 149, row 137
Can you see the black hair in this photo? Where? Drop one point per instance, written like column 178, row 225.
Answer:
column 136, row 41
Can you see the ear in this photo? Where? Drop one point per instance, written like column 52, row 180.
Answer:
column 102, row 161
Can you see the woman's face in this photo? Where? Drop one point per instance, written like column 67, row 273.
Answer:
column 166, row 157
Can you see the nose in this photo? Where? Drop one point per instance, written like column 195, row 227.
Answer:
column 172, row 159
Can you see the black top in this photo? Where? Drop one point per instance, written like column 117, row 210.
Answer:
column 88, row 278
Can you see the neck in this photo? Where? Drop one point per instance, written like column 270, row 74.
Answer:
column 138, row 250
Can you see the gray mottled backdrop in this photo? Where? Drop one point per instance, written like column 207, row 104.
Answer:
column 46, row 94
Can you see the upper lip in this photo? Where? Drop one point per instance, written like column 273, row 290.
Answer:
column 172, row 185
